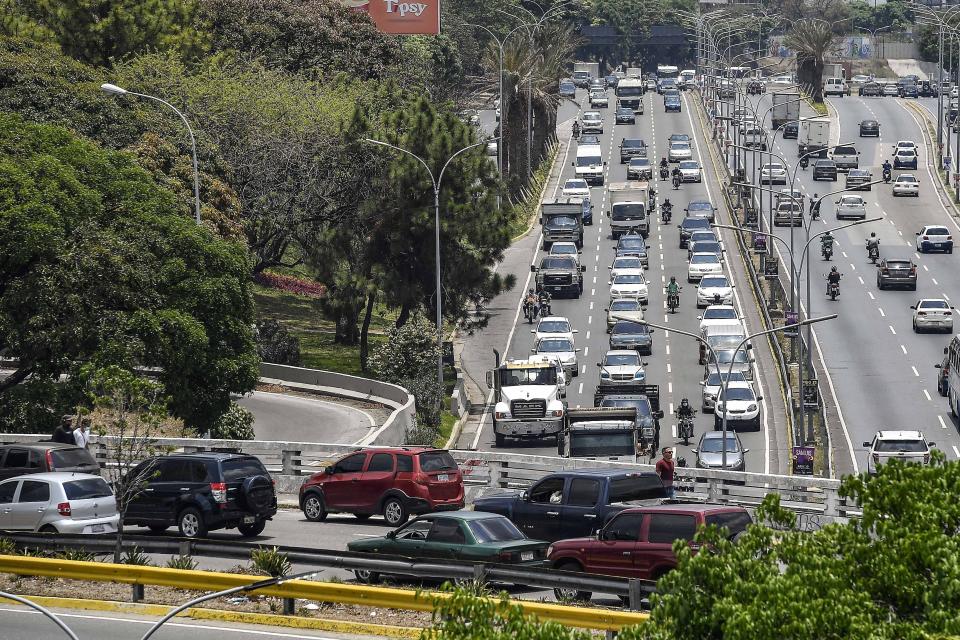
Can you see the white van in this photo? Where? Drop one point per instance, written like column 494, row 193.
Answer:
column 835, row 87
column 589, row 163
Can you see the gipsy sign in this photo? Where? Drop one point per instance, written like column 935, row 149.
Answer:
column 401, row 17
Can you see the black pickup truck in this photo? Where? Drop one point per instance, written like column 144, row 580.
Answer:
column 575, row 503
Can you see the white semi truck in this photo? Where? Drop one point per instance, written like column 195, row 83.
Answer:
column 584, row 72
column 528, row 396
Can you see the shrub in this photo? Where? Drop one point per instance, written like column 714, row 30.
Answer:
column 236, row 423
column 276, row 345
column 270, row 561
column 137, row 557
column 186, row 563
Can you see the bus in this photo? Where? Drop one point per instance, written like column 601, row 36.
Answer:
column 667, row 71
column 953, row 375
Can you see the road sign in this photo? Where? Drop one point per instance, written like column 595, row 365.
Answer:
column 803, row 461
column 448, row 358
column 789, row 318
column 811, row 393
column 771, row 268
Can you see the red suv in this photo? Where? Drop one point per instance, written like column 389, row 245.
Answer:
column 638, row 543
column 393, row 481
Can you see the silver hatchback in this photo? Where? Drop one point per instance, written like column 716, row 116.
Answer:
column 58, row 503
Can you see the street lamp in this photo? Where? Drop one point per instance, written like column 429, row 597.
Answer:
column 42, row 610
column 873, row 35
column 114, row 90
column 436, row 211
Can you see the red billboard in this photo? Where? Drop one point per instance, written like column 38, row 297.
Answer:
column 401, row 17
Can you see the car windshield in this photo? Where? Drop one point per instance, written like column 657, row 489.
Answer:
column 591, row 116
column 626, row 210
column 554, row 345
column 65, row 458
column 624, row 111
column 629, row 327
column 845, row 151
column 625, row 305
column 87, row 489
column 704, row 259
column 703, row 236
column 738, row 393
column 861, row 173
column 561, row 221
column 933, row 304
column 690, row 164
column 627, row 263
column 437, row 461
column 725, row 356
column 704, row 246
column 586, row 161
column 563, row 249
column 773, row 167
column 906, row 178
column 575, row 184
column 639, row 162
column 695, row 223
column 680, row 146
column 897, row 446
column 713, row 282
column 699, row 205
column 715, row 445
column 557, row 263
column 628, row 278
column 715, row 379
column 532, row 376
column 716, row 314
column 495, row 530
column 679, row 137
column 633, row 144
column 851, row 201
column 641, row 404
column 905, row 152
column 240, row 468
column 554, row 326
column 622, row 360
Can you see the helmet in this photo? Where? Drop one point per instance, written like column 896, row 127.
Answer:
column 673, row 278
column 531, row 290
column 833, row 270
column 814, row 196
column 873, row 234
column 684, row 403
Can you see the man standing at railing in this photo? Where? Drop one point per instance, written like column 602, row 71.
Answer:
column 665, row 467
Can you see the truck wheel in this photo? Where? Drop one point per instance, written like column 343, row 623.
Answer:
column 571, row 593
column 500, row 440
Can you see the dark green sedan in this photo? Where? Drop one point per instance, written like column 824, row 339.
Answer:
column 473, row 536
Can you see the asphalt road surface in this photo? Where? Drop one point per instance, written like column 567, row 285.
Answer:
column 300, row 419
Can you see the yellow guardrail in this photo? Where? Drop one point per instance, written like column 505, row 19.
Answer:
column 581, row 617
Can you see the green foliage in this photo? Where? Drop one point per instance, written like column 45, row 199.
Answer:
column 277, row 345
column 75, row 555
column 136, row 556
column 184, row 563
column 895, row 15
column 7, row 547
column 36, row 405
column 236, row 423
column 813, row 40
column 270, row 561
column 104, row 271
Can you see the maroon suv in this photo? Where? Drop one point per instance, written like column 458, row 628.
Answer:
column 393, row 481
column 638, row 543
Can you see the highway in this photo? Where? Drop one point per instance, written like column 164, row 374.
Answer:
column 882, row 372
column 674, row 363
column 293, row 418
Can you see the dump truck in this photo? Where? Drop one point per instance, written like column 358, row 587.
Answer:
column 562, row 221
column 599, row 433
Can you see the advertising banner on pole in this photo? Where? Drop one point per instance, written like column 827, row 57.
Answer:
column 401, row 17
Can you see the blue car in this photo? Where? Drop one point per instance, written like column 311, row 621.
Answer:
column 671, row 103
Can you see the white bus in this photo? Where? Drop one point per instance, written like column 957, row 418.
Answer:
column 667, row 71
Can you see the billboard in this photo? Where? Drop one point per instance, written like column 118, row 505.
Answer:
column 401, row 17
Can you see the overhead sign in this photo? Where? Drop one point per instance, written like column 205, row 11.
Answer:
column 401, row 17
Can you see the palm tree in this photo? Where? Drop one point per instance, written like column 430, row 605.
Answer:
column 813, row 40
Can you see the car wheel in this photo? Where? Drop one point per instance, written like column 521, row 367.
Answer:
column 366, row 576
column 48, row 528
column 395, row 512
column 500, row 440
column 915, row 330
column 879, row 284
column 191, row 524
column 950, row 250
column 313, row 508
column 571, row 593
column 251, row 530
column 157, row 528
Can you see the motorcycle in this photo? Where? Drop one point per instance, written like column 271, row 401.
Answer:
column 664, row 173
column 827, row 251
column 576, row 132
column 665, row 213
column 887, row 175
column 676, row 181
column 545, row 309
column 685, row 429
column 833, row 290
column 530, row 311
column 673, row 301
column 804, row 162
column 873, row 252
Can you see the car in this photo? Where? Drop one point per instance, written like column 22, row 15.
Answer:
column 639, row 169
column 632, row 335
column 869, row 128
column 906, row 184
column 710, row 451
column 564, row 249
column 625, row 264
column 635, row 250
column 932, row 314
column 688, row 226
column 588, row 139
column 704, row 246
column 835, row 87
column 718, row 314
column 622, row 367
column 678, row 137
column 21, row 458
column 625, row 115
column 740, row 405
column 568, row 89
column 629, row 284
column 934, row 238
column 905, row 446
column 905, row 159
column 908, row 90
column 612, row 80
column 846, row 157
column 825, row 169
column 773, row 173
column 632, row 148
column 788, row 212
column 553, row 327
column 859, row 180
column 943, row 373
column 690, row 171
column 905, row 144
column 576, row 187
column 701, row 235
column 861, row 79
column 702, row 264
column 740, row 358
column 200, row 492
column 714, row 290
column 560, row 350
column 597, row 84
column 791, row 130
column 679, row 151
column 891, row 89
column 712, row 385
column 871, row 89
column 851, row 206
column 672, row 104
column 58, row 502
column 896, row 272
column 591, row 122
column 472, row 536
column 559, row 274
column 599, row 99
column 650, row 84
column 623, row 309
column 645, row 535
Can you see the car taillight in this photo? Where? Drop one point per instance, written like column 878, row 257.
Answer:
column 557, row 413
column 926, row 238
column 64, row 509
column 946, row 313
column 926, row 458
column 913, row 271
column 505, row 556
column 49, row 458
column 219, row 490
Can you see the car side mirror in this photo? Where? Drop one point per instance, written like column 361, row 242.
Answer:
column 525, row 496
column 658, row 414
column 391, row 535
column 533, row 330
column 533, row 350
column 583, row 268
column 604, row 163
column 759, row 398
column 937, row 366
column 746, row 450
column 652, row 330
column 917, row 233
column 606, row 309
column 931, row 444
column 533, row 268
column 331, row 470
column 573, row 164
column 695, row 450
column 913, row 307
column 866, row 444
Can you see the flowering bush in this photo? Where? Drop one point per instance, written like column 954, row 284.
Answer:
column 299, row 286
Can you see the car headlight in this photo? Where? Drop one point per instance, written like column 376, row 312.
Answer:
column 752, row 407
column 604, row 375
column 711, row 396
column 639, row 375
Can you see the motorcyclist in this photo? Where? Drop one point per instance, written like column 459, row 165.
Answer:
column 826, row 243
column 684, row 410
column 887, row 170
column 677, row 177
column 530, row 303
column 873, row 244
column 543, row 299
column 576, row 129
column 815, row 207
column 804, row 161
column 672, row 287
column 833, row 278
column 666, row 209
column 663, row 162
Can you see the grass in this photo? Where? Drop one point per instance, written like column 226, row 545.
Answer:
column 528, row 208
column 447, row 420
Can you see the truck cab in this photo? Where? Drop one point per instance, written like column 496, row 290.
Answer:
column 528, row 399
column 562, row 220
column 589, row 163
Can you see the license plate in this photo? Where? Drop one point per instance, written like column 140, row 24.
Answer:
column 249, row 519
column 526, row 555
column 443, row 477
column 936, row 245
column 97, row 528
column 555, row 288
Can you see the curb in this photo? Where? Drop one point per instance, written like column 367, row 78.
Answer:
column 267, row 619
column 534, row 219
column 457, row 429
column 925, row 125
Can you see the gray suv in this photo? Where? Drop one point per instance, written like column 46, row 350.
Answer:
column 632, row 148
column 19, row 459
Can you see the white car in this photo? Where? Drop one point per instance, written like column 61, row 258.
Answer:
column 782, row 81
column 905, row 144
column 906, row 184
column 906, row 159
column 553, row 327
column 789, row 195
column 623, row 309
column 740, row 405
column 58, row 502
column 703, row 264
column 851, row 206
column 565, row 249
column 599, row 99
column 906, row 446
column 773, row 173
column 629, row 284
column 576, row 187
column 712, row 386
column 561, row 351
column 591, row 122
column 932, row 314
column 714, row 290
column 716, row 314
column 625, row 264
column 690, row 171
column 622, row 366
column 679, row 151
column 934, row 237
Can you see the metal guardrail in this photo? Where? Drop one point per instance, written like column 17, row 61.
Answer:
column 389, row 598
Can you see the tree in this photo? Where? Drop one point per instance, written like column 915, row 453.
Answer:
column 130, row 410
column 100, row 268
column 813, row 40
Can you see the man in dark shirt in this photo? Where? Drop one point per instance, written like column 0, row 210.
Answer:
column 665, row 467
column 64, row 432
